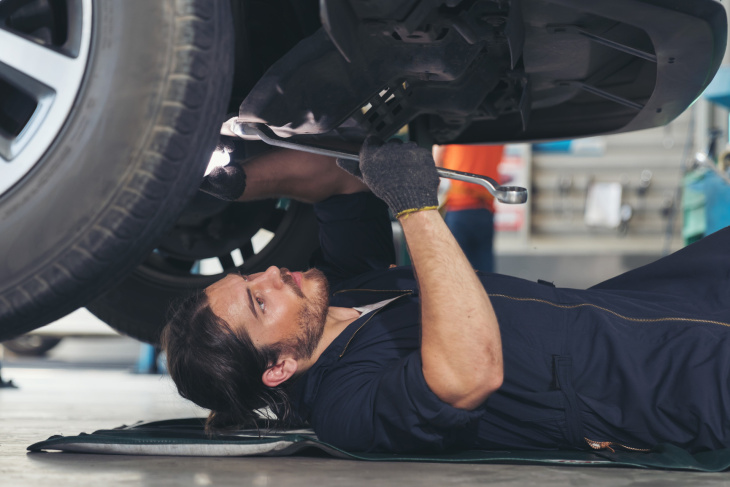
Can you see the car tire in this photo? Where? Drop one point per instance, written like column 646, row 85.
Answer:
column 141, row 304
column 128, row 157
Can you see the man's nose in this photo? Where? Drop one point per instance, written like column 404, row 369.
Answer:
column 273, row 275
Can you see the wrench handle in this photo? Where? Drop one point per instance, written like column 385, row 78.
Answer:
column 505, row 194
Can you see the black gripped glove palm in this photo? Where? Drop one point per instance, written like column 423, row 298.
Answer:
column 402, row 175
column 225, row 182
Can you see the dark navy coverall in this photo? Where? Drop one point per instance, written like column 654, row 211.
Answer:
column 636, row 360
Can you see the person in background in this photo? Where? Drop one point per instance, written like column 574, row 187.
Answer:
column 469, row 207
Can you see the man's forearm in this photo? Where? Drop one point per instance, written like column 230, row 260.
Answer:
column 298, row 175
column 461, row 350
column 461, row 346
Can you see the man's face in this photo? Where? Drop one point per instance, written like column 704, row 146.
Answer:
column 274, row 307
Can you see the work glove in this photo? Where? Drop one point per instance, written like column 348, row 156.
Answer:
column 225, row 182
column 402, row 175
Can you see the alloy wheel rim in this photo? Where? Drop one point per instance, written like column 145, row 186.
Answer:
column 41, row 73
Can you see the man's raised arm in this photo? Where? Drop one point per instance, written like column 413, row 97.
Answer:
column 281, row 173
column 461, row 349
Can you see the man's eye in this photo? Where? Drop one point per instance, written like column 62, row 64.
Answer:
column 261, row 304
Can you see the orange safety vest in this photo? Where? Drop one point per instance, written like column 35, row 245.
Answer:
column 477, row 159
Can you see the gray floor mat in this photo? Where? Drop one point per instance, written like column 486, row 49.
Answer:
column 186, row 437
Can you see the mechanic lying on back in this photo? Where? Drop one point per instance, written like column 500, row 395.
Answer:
column 401, row 360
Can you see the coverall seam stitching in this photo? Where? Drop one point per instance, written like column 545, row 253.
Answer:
column 615, row 313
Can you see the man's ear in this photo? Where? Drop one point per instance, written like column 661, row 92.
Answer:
column 282, row 371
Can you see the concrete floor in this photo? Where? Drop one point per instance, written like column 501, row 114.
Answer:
column 68, row 394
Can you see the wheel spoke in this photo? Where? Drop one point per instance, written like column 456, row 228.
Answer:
column 247, row 250
column 44, row 65
column 226, row 261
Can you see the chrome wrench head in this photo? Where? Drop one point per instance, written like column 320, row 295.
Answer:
column 511, row 195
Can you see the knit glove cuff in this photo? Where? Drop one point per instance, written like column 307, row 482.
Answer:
column 404, row 200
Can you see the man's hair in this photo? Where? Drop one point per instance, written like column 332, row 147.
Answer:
column 218, row 368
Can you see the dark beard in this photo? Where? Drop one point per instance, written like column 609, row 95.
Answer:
column 312, row 317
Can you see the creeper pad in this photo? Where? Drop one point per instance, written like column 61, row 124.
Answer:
column 186, row 437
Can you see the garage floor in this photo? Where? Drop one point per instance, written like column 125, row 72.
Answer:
column 82, row 389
